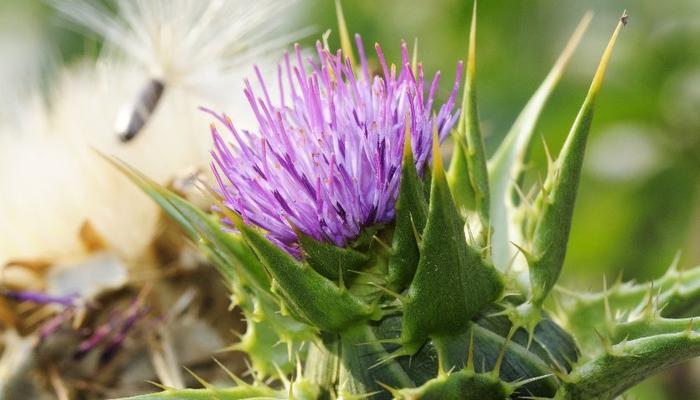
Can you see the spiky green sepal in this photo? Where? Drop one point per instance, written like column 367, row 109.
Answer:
column 411, row 214
column 468, row 175
column 460, row 385
column 554, row 206
column 508, row 164
column 333, row 262
column 301, row 287
column 453, row 283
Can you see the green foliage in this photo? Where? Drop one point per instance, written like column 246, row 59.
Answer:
column 461, row 385
column 452, row 283
column 468, row 172
column 671, row 300
column 333, row 262
column 301, row 287
column 555, row 204
column 628, row 363
column 299, row 390
column 411, row 213
column 508, row 164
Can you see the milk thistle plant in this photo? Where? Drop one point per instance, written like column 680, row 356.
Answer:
column 366, row 269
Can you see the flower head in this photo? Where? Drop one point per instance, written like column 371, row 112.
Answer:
column 326, row 159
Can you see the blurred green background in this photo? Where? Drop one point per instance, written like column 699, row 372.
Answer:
column 639, row 202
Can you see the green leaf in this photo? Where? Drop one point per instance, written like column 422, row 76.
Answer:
column 330, row 260
column 452, row 283
column 309, row 294
column 234, row 259
column 239, row 266
column 231, row 246
column 507, row 358
column 458, row 177
column 507, row 165
column 235, row 393
column 548, row 343
column 626, row 364
column 468, row 174
column 265, row 347
column 652, row 326
column 297, row 390
column 365, row 362
column 556, row 200
column 322, row 363
column 675, row 295
column 411, row 210
column 550, row 349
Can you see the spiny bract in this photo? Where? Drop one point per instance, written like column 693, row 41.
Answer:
column 414, row 284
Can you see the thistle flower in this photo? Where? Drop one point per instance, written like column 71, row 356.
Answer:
column 425, row 317
column 327, row 159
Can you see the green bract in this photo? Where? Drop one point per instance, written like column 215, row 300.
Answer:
column 448, row 301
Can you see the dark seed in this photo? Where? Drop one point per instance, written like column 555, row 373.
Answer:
column 134, row 116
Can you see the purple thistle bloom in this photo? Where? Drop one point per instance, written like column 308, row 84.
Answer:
column 327, row 159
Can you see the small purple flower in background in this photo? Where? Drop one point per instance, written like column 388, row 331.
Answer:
column 55, row 323
column 69, row 301
column 327, row 159
column 112, row 333
column 68, row 304
column 97, row 336
column 133, row 316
